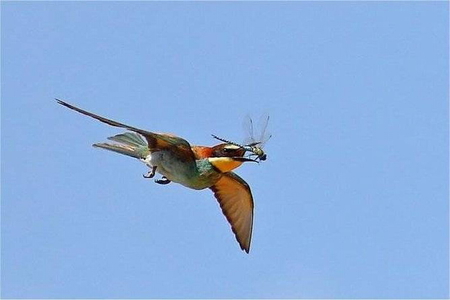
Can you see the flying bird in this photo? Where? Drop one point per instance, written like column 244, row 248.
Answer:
column 195, row 167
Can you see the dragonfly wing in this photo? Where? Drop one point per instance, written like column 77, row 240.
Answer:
column 247, row 125
column 255, row 136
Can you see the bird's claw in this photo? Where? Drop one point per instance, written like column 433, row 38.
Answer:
column 150, row 173
column 164, row 180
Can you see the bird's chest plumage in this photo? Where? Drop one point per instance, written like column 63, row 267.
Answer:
column 191, row 174
column 169, row 165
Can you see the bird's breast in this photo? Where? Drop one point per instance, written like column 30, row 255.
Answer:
column 180, row 171
column 169, row 165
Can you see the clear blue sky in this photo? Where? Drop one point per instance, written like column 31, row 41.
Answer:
column 351, row 203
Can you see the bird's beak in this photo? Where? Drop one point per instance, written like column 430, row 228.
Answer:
column 244, row 159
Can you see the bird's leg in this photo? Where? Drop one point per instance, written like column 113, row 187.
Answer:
column 164, row 180
column 151, row 173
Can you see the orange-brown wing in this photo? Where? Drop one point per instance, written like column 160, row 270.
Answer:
column 236, row 201
column 155, row 141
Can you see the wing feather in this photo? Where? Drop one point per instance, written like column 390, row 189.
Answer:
column 156, row 141
column 236, row 201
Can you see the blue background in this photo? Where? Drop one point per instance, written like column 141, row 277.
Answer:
column 352, row 202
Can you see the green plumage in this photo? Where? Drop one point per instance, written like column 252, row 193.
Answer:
column 129, row 143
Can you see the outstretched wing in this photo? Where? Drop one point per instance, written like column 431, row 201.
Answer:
column 236, row 201
column 155, row 141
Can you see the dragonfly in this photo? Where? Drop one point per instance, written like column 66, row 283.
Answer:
column 254, row 146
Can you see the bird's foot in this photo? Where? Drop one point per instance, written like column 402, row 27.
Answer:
column 164, row 180
column 150, row 173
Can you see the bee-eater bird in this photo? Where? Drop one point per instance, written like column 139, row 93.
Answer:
column 196, row 167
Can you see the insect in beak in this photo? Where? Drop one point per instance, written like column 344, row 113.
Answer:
column 253, row 148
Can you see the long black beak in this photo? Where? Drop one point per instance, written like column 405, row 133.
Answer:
column 244, row 159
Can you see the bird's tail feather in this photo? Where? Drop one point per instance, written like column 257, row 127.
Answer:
column 129, row 138
column 129, row 143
